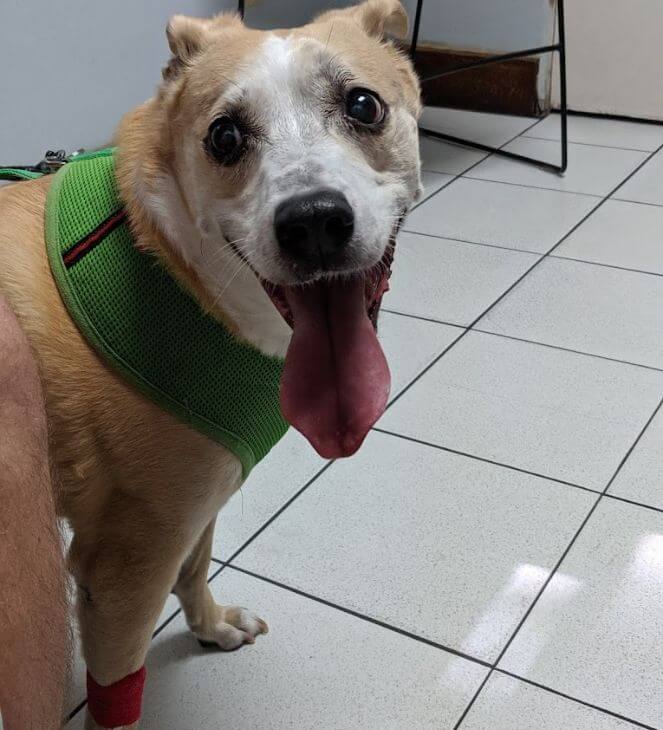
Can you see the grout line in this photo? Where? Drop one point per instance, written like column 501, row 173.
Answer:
column 542, row 187
column 530, row 187
column 588, row 144
column 633, row 502
column 75, row 711
column 569, row 349
column 460, row 720
column 552, row 573
column 574, row 699
column 363, row 617
column 484, row 460
column 639, row 202
column 607, row 266
column 424, row 319
column 498, row 246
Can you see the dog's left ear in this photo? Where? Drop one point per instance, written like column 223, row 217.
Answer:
column 378, row 18
column 187, row 37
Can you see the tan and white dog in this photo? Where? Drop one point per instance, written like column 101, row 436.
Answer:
column 269, row 173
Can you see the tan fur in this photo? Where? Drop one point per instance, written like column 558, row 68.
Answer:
column 140, row 489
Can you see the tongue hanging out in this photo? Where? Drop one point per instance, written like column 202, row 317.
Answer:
column 336, row 381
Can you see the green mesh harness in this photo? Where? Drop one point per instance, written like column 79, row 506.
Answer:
column 146, row 326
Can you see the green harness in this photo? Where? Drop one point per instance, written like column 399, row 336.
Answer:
column 145, row 325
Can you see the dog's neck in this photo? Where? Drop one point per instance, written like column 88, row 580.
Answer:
column 163, row 223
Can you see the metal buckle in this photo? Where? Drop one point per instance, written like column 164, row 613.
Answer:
column 52, row 161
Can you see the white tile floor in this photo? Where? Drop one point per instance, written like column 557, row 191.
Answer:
column 493, row 557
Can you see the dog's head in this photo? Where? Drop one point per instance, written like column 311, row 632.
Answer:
column 278, row 166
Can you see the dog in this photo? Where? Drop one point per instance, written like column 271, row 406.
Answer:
column 268, row 175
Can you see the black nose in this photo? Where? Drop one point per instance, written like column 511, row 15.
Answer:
column 315, row 227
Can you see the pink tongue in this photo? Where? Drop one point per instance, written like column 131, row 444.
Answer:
column 336, row 381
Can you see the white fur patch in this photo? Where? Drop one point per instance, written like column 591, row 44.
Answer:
column 301, row 151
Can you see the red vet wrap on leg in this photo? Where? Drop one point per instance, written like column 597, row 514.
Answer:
column 118, row 704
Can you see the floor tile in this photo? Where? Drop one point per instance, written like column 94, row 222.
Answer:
column 595, row 634
column 603, row 132
column 566, row 416
column 443, row 546
column 641, row 477
column 528, row 219
column 619, row 234
column 317, row 668
column 592, row 170
column 451, row 281
column 493, row 130
column 452, row 159
column 646, row 186
column 432, row 182
column 589, row 308
column 506, row 703
column 410, row 346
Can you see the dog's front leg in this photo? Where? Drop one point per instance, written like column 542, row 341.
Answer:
column 124, row 575
column 228, row 627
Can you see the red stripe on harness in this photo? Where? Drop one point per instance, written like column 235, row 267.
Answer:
column 76, row 252
column 119, row 703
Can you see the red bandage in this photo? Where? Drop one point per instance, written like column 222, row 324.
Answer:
column 119, row 703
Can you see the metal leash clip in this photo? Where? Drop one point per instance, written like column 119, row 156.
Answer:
column 52, row 161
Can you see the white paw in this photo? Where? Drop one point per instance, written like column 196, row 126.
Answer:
column 237, row 626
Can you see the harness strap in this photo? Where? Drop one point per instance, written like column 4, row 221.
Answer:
column 14, row 174
column 51, row 163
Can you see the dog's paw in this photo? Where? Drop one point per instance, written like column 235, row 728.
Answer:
column 235, row 627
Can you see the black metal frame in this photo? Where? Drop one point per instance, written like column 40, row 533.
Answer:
column 559, row 47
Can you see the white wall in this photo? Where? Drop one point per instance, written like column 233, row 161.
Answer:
column 486, row 25
column 491, row 25
column 615, row 57
column 70, row 68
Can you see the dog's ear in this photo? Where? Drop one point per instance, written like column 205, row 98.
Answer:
column 188, row 36
column 379, row 18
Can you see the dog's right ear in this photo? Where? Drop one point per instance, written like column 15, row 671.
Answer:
column 379, row 18
column 188, row 36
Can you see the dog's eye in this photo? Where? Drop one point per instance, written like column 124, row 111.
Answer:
column 224, row 139
column 364, row 107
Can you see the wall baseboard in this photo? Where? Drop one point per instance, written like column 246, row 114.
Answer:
column 510, row 87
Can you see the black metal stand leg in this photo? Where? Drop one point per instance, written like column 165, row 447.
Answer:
column 559, row 48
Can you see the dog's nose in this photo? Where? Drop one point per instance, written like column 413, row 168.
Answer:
column 314, row 227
